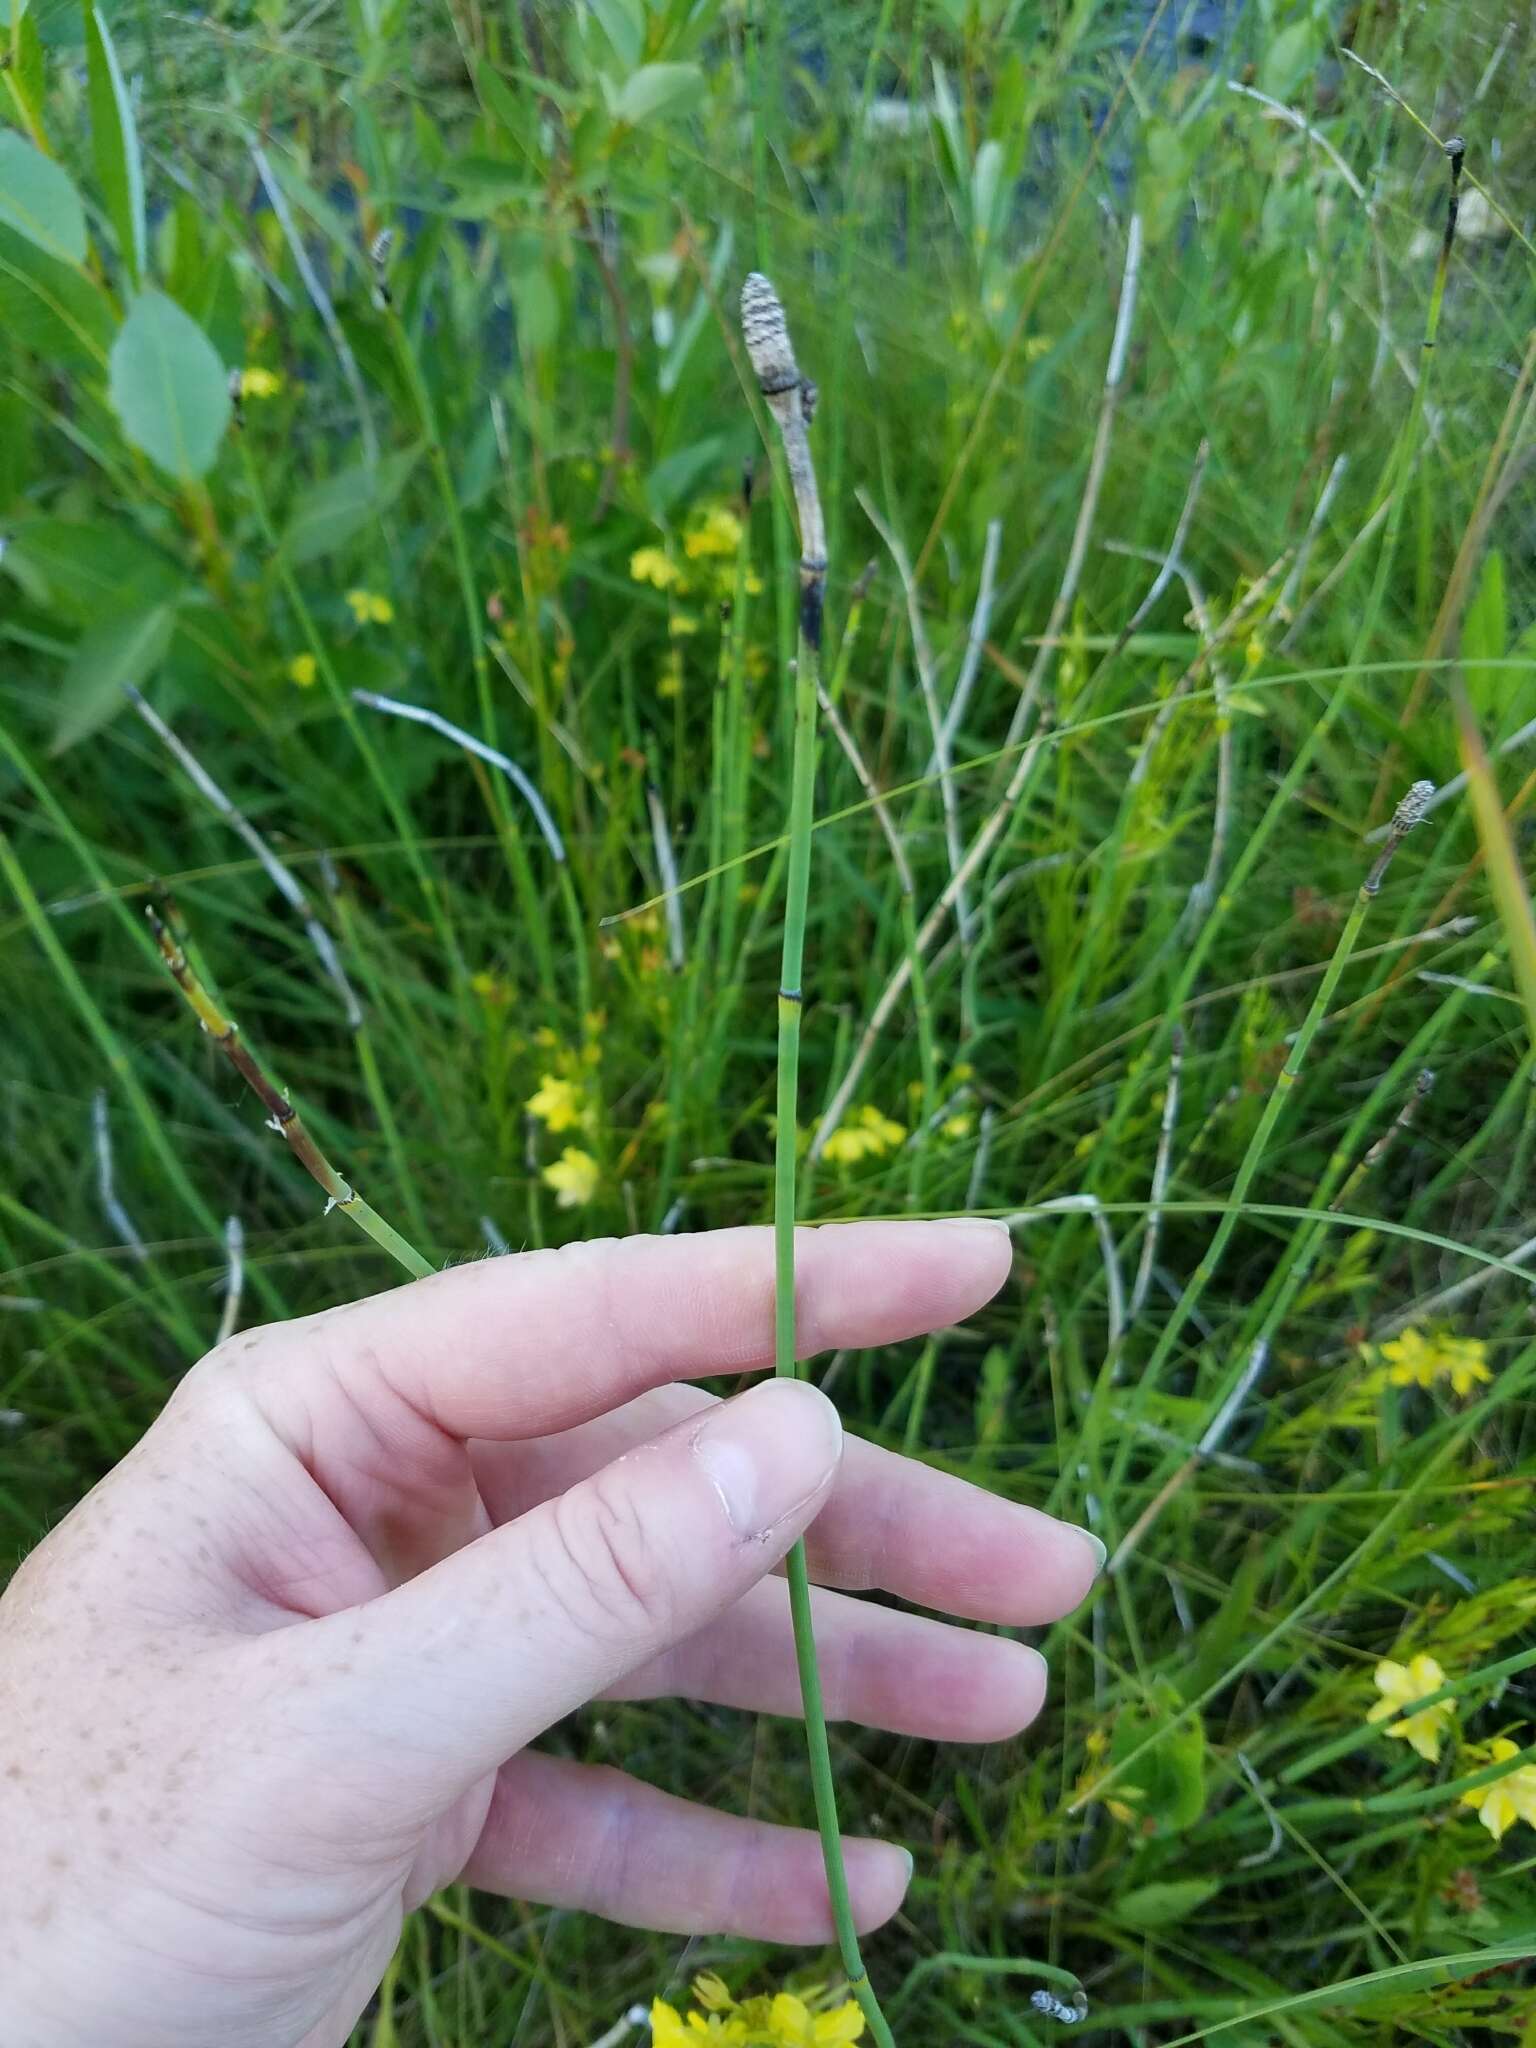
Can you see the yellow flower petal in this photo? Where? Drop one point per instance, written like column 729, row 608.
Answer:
column 886, row 1134
column 711, row 1991
column 574, row 1178
column 789, row 2021
column 302, row 670
column 654, row 566
column 256, row 382
column 556, row 1103
column 842, row 2023
column 1400, row 1685
column 719, row 533
column 667, row 2029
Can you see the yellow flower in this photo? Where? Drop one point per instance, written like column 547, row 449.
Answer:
column 866, row 1135
column 1414, row 1360
column 792, row 2024
column 719, row 533
column 556, row 1103
column 655, row 566
column 667, row 2029
column 886, row 1134
column 956, row 1126
column 489, row 987
column 301, row 670
column 369, row 609
column 847, row 1146
column 1400, row 1685
column 258, row 383
column 574, row 1178
column 1510, row 1798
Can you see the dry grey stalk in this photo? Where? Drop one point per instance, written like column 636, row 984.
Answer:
column 234, row 1278
column 278, row 872
column 1165, row 573
column 870, row 787
column 976, row 638
column 1142, row 1285
column 666, row 868
column 1077, row 553
column 922, row 655
column 1285, row 602
column 106, row 1183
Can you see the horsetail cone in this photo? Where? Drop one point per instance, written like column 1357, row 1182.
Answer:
column 1413, row 809
column 766, row 334
column 791, row 398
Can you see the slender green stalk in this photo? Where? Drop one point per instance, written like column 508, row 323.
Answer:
column 285, row 1118
column 791, row 399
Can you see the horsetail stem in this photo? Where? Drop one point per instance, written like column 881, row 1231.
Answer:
column 283, row 1117
column 791, row 399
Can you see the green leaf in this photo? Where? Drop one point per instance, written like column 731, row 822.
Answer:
column 115, row 143
column 38, row 201
column 169, row 389
column 329, row 514
column 1485, row 638
column 516, row 117
column 29, row 64
column 623, row 23
column 535, row 307
column 1165, row 1788
column 675, row 475
column 124, row 650
column 655, row 89
column 1289, row 58
column 1160, row 1905
column 49, row 308
column 81, row 569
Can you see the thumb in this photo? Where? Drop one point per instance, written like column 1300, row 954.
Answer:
column 462, row 1666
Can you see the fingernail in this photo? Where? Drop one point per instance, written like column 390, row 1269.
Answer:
column 911, row 1865
column 977, row 1223
column 1096, row 1544
column 769, row 1452
column 1040, row 1659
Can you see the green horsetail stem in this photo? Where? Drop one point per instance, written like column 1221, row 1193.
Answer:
column 791, row 399
column 284, row 1118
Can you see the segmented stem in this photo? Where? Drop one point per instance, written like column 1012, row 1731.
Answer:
column 791, row 399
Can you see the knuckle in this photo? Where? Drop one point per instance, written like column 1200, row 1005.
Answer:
column 228, row 1366
column 604, row 1566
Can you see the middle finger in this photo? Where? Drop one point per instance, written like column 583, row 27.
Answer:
column 891, row 1522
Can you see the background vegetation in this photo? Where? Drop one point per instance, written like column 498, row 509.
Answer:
column 494, row 470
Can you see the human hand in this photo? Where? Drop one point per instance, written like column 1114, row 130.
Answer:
column 271, row 1684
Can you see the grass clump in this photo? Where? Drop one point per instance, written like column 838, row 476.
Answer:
column 373, row 404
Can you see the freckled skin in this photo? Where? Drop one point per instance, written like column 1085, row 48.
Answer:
column 274, row 1680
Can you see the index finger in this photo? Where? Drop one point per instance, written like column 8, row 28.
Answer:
column 539, row 1341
